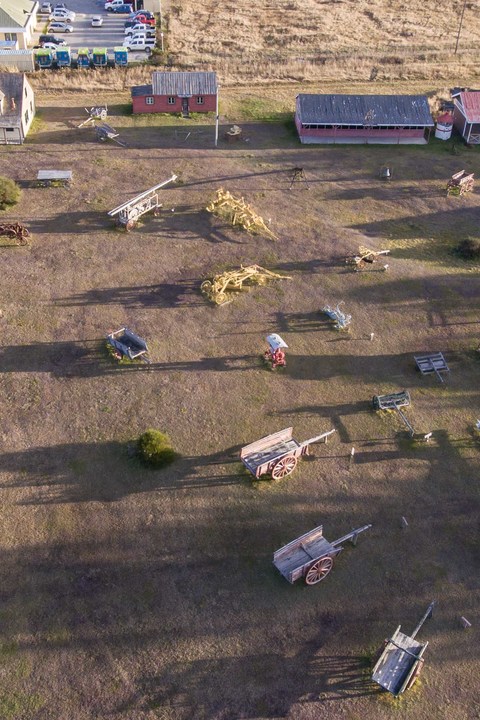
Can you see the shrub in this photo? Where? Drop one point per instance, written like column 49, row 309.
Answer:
column 469, row 249
column 9, row 192
column 155, row 449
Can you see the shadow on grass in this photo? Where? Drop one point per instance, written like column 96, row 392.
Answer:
column 182, row 293
column 73, row 473
column 90, row 359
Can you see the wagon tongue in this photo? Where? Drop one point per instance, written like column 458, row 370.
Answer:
column 317, row 438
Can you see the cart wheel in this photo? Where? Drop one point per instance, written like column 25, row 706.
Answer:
column 318, row 570
column 283, row 467
column 416, row 673
column 130, row 225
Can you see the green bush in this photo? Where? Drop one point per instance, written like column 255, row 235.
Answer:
column 469, row 249
column 9, row 192
column 155, row 449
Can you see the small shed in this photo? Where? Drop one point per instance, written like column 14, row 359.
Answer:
column 466, row 115
column 443, row 130
column 177, row 92
column 17, row 108
column 388, row 119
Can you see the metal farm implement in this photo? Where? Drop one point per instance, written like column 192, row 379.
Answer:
column 394, row 401
column 277, row 454
column 222, row 288
column 126, row 343
column 341, row 320
column 16, row 232
column 433, row 362
column 365, row 257
column 128, row 214
column 401, row 660
column 311, row 556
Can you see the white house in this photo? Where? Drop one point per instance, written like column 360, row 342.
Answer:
column 17, row 22
column 17, row 108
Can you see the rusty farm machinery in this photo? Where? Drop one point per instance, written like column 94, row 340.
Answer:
column 238, row 213
column 222, row 288
column 365, row 258
column 128, row 214
column 16, row 232
column 311, row 556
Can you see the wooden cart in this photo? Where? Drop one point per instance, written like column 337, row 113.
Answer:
column 401, row 660
column 311, row 556
column 277, row 454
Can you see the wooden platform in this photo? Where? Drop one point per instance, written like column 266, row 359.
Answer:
column 398, row 662
column 46, row 178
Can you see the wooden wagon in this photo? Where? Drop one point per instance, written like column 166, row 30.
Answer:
column 311, row 556
column 401, row 660
column 126, row 343
column 277, row 454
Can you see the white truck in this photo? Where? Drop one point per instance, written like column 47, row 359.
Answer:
column 140, row 42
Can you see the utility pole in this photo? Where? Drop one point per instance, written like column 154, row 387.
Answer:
column 216, row 118
column 460, row 25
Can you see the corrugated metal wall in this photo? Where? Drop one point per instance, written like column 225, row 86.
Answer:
column 21, row 60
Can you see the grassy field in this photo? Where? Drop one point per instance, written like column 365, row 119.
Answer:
column 134, row 594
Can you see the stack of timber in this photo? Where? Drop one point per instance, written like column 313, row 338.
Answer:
column 237, row 212
column 222, row 288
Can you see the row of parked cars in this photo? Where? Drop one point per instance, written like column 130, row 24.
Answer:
column 60, row 17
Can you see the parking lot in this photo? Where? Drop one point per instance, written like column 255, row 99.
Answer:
column 110, row 35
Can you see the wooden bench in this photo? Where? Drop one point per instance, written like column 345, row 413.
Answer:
column 54, row 178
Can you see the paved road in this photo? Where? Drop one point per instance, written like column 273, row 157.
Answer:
column 110, row 35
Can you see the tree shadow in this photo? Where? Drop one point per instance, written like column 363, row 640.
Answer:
column 182, row 293
column 75, row 472
column 90, row 358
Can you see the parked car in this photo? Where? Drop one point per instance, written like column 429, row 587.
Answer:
column 97, row 21
column 60, row 27
column 49, row 46
column 140, row 19
column 140, row 43
column 147, row 13
column 111, row 4
column 64, row 15
column 121, row 9
column 60, row 5
column 51, row 39
column 139, row 28
column 45, row 8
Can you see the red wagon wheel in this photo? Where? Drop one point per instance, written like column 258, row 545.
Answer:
column 318, row 570
column 284, row 467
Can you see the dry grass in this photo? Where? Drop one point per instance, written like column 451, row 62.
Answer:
column 135, row 595
column 314, row 40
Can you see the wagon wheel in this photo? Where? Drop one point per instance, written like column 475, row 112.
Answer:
column 319, row 570
column 416, row 673
column 283, row 467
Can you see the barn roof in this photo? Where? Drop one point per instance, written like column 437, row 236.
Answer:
column 184, row 83
column 373, row 110
column 470, row 101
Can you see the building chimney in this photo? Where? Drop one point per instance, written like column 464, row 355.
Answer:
column 12, row 104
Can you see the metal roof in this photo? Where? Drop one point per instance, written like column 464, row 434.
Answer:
column 371, row 110
column 12, row 84
column 141, row 90
column 184, row 83
column 471, row 105
column 15, row 13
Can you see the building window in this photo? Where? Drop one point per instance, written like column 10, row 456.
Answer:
column 31, row 106
column 200, row 100
column 12, row 37
column 171, row 101
column 26, row 92
column 10, row 129
column 149, row 100
column 26, row 116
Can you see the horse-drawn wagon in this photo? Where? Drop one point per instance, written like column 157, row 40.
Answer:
column 311, row 556
column 277, row 454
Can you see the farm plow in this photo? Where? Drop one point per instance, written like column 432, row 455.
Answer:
column 238, row 213
column 221, row 289
column 16, row 232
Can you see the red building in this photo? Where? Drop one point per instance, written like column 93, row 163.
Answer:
column 177, row 92
column 466, row 115
column 395, row 119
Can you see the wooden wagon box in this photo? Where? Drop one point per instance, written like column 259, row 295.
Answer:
column 400, row 663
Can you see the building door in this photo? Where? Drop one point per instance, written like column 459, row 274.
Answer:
column 185, row 107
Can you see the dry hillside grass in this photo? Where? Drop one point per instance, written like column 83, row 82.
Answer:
column 320, row 39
